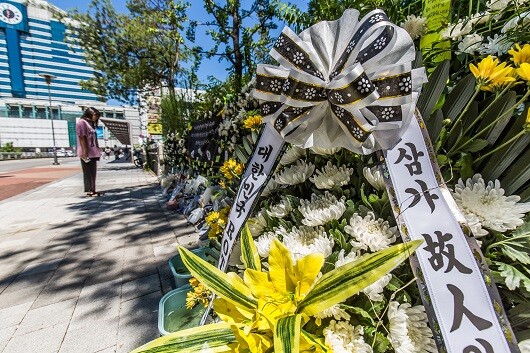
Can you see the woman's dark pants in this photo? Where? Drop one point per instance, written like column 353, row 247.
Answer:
column 89, row 175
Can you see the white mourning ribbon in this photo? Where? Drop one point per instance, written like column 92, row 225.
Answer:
column 464, row 307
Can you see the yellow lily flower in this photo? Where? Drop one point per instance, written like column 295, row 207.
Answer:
column 490, row 71
column 520, row 55
column 279, row 290
column 524, row 72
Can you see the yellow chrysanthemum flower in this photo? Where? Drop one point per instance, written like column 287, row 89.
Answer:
column 489, row 71
column 217, row 221
column 520, row 55
column 502, row 83
column 524, row 72
column 253, row 122
column 231, row 169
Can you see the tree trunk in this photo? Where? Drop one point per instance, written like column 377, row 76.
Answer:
column 238, row 56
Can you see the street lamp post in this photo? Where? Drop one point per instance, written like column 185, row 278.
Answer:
column 48, row 78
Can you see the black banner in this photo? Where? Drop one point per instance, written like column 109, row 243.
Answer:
column 203, row 145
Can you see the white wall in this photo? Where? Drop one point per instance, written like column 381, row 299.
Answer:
column 33, row 132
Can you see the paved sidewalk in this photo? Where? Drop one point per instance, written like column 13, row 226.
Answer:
column 86, row 274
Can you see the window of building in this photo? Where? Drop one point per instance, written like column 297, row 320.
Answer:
column 58, row 30
column 13, row 111
column 119, row 115
column 27, row 112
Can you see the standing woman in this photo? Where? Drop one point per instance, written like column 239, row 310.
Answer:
column 88, row 148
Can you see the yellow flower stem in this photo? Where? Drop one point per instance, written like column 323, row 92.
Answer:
column 477, row 90
column 450, row 153
column 521, row 133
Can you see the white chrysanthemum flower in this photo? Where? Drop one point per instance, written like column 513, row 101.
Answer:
column 257, row 224
column 271, row 185
column 331, row 176
column 486, row 206
column 281, row 209
column 296, row 173
column 470, row 43
column 342, row 337
column 408, row 330
column 343, row 260
column 374, row 177
column 369, row 232
column 306, row 240
column 457, row 31
column 415, row 26
column 321, row 209
column 522, row 20
column 335, row 312
column 325, row 151
column 498, row 45
column 497, row 5
column 375, row 290
column 264, row 242
column 524, row 346
column 292, row 155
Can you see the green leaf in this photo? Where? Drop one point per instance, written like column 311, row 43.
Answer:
column 435, row 124
column 249, row 252
column 475, row 146
column 520, row 315
column 228, row 287
column 454, row 134
column 465, row 165
column 241, row 154
column 501, row 106
column 248, row 145
column 459, row 97
column 516, row 255
column 211, row 338
column 363, row 313
column 497, row 164
column 518, row 174
column 517, row 245
column 287, row 334
column 315, row 341
column 513, row 277
column 433, row 89
column 347, row 280
column 442, row 160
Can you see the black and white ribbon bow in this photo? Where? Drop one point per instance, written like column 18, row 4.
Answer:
column 346, row 83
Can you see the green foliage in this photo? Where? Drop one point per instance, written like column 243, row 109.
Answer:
column 8, row 147
column 131, row 52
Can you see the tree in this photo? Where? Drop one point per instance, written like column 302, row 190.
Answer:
column 241, row 36
column 130, row 52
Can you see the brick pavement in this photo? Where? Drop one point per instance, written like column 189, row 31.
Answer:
column 14, row 183
column 86, row 274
